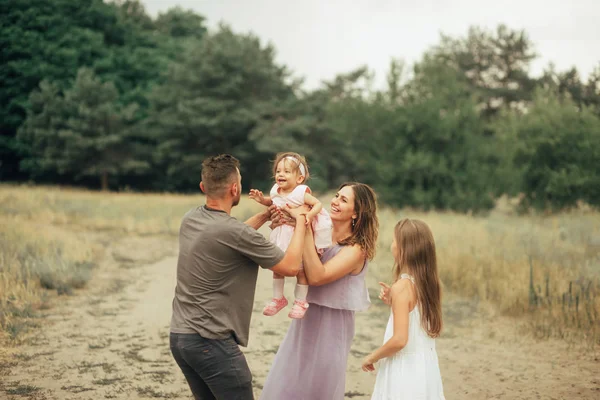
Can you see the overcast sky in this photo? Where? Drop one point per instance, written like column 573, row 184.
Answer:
column 317, row 39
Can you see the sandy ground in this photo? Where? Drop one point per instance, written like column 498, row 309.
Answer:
column 111, row 341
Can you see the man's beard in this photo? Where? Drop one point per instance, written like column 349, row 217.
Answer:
column 236, row 201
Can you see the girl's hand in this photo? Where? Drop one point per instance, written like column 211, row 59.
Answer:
column 308, row 219
column 257, row 196
column 367, row 364
column 384, row 293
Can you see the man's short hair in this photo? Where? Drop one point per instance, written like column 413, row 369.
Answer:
column 218, row 172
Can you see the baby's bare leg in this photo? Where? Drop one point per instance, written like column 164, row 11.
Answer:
column 277, row 276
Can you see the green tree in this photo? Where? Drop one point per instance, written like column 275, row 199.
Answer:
column 180, row 23
column 52, row 39
column 209, row 104
column 556, row 148
column 40, row 39
column 495, row 64
column 314, row 124
column 566, row 83
column 433, row 152
column 137, row 53
column 569, row 83
column 592, row 91
column 80, row 134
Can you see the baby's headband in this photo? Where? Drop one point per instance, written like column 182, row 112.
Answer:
column 300, row 165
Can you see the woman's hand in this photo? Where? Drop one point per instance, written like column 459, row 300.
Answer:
column 384, row 293
column 281, row 216
column 367, row 364
column 296, row 212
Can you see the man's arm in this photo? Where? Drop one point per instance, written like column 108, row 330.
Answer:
column 255, row 246
column 259, row 219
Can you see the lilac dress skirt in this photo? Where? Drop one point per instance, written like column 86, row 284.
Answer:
column 311, row 361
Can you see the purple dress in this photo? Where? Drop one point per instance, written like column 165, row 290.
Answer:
column 311, row 361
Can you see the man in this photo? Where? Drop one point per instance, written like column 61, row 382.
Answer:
column 216, row 280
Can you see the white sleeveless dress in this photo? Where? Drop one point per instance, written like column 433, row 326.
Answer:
column 282, row 235
column 413, row 373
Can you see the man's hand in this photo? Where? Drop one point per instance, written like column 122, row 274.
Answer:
column 283, row 217
column 277, row 217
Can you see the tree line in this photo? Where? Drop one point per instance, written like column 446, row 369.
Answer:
column 103, row 95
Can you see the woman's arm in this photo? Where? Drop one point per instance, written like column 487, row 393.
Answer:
column 281, row 217
column 401, row 299
column 290, row 264
column 349, row 259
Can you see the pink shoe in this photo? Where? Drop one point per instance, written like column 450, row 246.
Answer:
column 298, row 309
column 274, row 306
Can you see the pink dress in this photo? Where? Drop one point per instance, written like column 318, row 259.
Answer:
column 321, row 224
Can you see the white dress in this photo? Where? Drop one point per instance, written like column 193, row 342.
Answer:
column 282, row 235
column 413, row 373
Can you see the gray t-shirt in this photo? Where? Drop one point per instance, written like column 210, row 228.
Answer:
column 216, row 274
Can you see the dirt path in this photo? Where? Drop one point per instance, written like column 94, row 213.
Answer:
column 111, row 341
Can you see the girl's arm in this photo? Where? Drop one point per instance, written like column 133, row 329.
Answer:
column 348, row 260
column 259, row 197
column 401, row 300
column 315, row 204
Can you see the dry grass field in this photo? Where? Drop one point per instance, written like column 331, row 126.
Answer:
column 545, row 269
column 95, row 270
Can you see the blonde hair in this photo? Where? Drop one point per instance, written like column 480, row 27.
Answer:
column 417, row 256
column 295, row 167
column 366, row 226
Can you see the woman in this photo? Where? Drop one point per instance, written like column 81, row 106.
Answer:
column 311, row 360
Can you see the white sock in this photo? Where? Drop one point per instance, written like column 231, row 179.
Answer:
column 278, row 288
column 301, row 292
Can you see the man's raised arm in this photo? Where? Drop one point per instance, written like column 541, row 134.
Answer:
column 259, row 219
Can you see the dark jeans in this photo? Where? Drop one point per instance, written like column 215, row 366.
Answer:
column 214, row 369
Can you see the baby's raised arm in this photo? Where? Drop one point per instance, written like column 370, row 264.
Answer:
column 315, row 205
column 259, row 197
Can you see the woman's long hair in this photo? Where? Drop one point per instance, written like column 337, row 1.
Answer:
column 417, row 257
column 366, row 226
